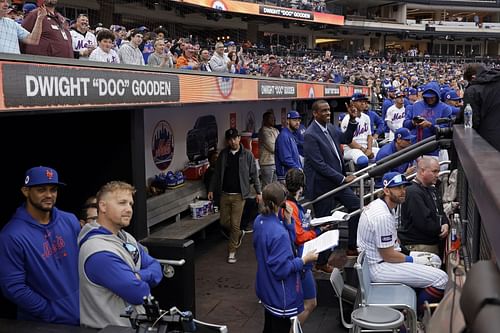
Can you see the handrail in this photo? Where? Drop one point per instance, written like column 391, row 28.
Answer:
column 406, row 155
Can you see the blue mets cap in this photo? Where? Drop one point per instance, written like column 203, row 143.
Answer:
column 394, row 179
column 452, row 96
column 412, row 91
column 358, row 97
column 404, row 134
column 293, row 115
column 41, row 176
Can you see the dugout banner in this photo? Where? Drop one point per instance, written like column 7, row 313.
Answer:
column 266, row 10
column 31, row 86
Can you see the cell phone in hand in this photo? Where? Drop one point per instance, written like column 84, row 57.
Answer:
column 418, row 119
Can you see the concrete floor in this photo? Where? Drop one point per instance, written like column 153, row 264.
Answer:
column 225, row 293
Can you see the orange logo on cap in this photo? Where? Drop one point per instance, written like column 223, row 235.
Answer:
column 49, row 174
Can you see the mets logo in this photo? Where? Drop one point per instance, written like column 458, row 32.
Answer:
column 162, row 145
column 220, row 5
column 49, row 174
column 225, row 86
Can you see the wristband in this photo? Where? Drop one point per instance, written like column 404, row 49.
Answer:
column 408, row 259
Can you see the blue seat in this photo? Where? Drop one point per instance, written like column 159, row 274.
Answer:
column 394, row 295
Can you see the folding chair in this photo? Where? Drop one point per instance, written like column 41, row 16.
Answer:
column 394, row 295
column 376, row 318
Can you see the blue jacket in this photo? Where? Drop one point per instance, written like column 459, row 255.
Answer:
column 388, row 150
column 39, row 267
column 278, row 283
column 429, row 112
column 286, row 153
column 377, row 123
column 118, row 277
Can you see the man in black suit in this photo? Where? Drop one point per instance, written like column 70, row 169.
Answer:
column 324, row 168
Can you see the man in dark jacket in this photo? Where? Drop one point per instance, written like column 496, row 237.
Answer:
column 423, row 222
column 482, row 95
column 235, row 170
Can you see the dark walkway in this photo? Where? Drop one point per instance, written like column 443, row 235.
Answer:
column 225, row 293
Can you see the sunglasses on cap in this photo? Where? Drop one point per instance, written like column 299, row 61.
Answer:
column 397, row 180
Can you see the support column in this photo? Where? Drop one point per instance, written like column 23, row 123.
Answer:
column 252, row 32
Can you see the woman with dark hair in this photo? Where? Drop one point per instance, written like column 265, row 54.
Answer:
column 295, row 183
column 278, row 281
column 236, row 67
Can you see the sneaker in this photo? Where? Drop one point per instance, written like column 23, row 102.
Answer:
column 325, row 268
column 240, row 239
column 249, row 229
column 231, row 259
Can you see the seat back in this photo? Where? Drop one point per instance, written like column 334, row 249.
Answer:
column 363, row 272
column 337, row 282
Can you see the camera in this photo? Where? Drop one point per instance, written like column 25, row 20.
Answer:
column 444, row 132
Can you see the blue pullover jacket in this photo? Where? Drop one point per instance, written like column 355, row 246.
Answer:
column 39, row 267
column 286, row 153
column 278, row 283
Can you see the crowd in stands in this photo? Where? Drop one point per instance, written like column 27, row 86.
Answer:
column 142, row 46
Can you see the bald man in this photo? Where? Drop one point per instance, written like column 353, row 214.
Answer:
column 424, row 224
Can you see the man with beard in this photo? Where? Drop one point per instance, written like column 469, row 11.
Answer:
column 38, row 254
column 130, row 272
column 286, row 152
column 56, row 39
column 378, row 238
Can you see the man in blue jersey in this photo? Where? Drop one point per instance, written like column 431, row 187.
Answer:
column 402, row 139
column 115, row 270
column 286, row 152
column 38, row 254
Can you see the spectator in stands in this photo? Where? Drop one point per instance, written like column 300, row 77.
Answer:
column 130, row 272
column 161, row 32
column 395, row 114
column 286, row 153
column 88, row 212
column 39, row 254
column 84, row 41
column 361, row 149
column 402, row 139
column 120, row 33
column 160, row 58
column 236, row 67
column 129, row 53
column 55, row 40
column 267, row 140
column 104, row 51
column 325, row 171
column 278, row 280
column 205, row 61
column 188, row 59
column 273, row 69
column 234, row 172
column 481, row 93
column 12, row 33
column 424, row 225
column 219, row 61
